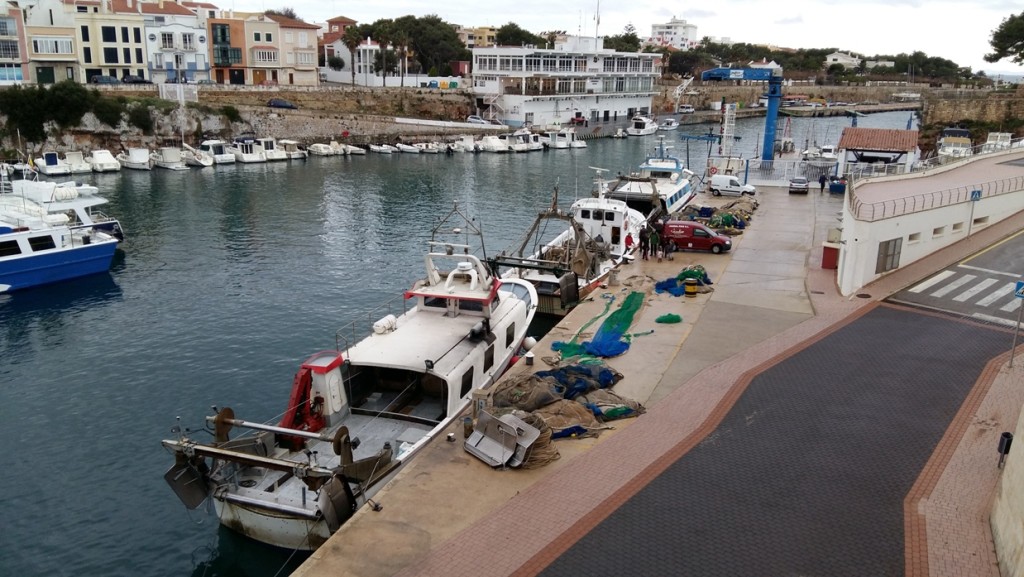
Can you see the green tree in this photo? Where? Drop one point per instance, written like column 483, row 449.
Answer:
column 335, row 63
column 436, row 44
column 1007, row 40
column 628, row 41
column 286, row 12
column 512, row 35
column 351, row 39
column 68, row 101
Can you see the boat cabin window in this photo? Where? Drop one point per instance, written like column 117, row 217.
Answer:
column 585, row 213
column 471, row 306
column 489, row 358
column 435, row 302
column 510, row 334
column 41, row 243
column 9, row 248
column 467, row 382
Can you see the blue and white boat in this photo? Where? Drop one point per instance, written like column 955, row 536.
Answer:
column 662, row 185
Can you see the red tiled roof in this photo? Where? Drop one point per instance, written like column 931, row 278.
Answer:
column 200, row 5
column 878, row 139
column 287, row 22
column 341, row 20
column 331, row 37
column 169, row 7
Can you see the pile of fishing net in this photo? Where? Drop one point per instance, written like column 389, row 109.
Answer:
column 676, row 286
column 745, row 205
column 728, row 219
column 612, row 339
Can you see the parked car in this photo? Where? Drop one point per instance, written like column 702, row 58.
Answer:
column 474, row 119
column 281, row 103
column 495, row 122
column 686, row 109
column 729, row 184
column 798, row 184
column 103, row 79
column 578, row 120
column 691, row 235
column 135, row 80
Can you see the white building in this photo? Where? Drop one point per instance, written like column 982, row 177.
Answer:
column 175, row 42
column 366, row 75
column 843, row 59
column 677, row 33
column 578, row 78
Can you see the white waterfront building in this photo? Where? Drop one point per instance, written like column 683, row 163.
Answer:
column 578, row 78
column 677, row 33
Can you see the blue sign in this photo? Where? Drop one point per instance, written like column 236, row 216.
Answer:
column 1019, row 291
column 975, row 195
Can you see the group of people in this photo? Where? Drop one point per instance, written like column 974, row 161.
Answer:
column 651, row 243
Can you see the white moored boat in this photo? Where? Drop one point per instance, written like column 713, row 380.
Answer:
column 292, row 150
column 270, row 150
column 245, row 150
column 321, row 149
column 357, row 414
column 136, row 159
column 668, row 124
column 76, row 161
column 408, row 148
column 662, row 185
column 219, row 150
column 641, row 125
column 51, row 164
column 168, row 157
column 103, row 161
column 197, row 157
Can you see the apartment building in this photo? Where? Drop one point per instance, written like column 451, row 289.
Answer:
column 176, row 43
column 298, row 51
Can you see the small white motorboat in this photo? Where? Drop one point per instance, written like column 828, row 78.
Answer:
column 76, row 161
column 51, row 164
column 198, row 158
column 102, row 161
column 620, row 133
column 429, row 147
column 135, row 159
column 668, row 124
column 168, row 157
column 403, row 147
column 321, row 149
column 292, row 150
column 383, row 148
column 218, row 149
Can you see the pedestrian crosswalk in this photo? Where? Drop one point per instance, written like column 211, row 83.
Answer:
column 970, row 289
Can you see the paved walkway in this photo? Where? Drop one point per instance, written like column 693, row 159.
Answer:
column 779, row 382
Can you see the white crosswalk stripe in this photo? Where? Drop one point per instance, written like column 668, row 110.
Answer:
column 1012, row 306
column 1004, row 291
column 923, row 286
column 953, row 285
column 974, row 290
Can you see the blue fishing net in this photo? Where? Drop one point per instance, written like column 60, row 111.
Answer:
column 611, row 339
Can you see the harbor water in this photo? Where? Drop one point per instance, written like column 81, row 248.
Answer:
column 229, row 277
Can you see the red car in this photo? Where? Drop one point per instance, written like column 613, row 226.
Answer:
column 578, row 120
column 689, row 235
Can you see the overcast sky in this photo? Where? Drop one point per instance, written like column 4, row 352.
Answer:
column 958, row 31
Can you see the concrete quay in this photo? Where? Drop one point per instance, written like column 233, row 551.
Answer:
column 449, row 514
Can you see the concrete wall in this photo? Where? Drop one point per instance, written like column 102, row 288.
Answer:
column 1008, row 508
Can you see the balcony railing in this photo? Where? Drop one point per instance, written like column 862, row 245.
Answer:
column 226, row 56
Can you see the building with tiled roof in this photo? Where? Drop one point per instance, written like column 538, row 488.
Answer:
column 298, row 51
column 176, row 41
column 14, row 68
column 877, row 150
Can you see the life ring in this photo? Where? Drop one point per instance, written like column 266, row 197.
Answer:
column 713, row 170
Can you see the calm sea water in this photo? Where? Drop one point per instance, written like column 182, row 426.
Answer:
column 230, row 276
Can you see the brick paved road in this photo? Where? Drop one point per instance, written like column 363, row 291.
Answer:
column 807, row 474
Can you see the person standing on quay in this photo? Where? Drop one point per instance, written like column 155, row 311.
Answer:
column 645, row 242
column 821, row 181
column 655, row 241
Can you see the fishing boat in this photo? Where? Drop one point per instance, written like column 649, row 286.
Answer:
column 641, row 125
column 620, row 133
column 168, row 157
column 219, row 150
column 563, row 138
column 514, row 142
column 198, row 157
column 136, row 159
column 668, row 124
column 407, row 148
column 383, row 148
column 267, row 146
column 292, row 149
column 429, row 147
column 39, row 247
column 356, row 414
column 662, row 185
column 493, row 143
column 590, row 243
column 245, row 150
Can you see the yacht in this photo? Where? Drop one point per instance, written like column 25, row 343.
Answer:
column 245, row 150
column 218, row 149
column 271, row 151
column 641, row 125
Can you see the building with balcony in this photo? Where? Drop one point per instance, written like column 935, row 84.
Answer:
column 262, row 50
column 52, row 52
column 478, row 37
column 228, row 55
column 111, row 39
column 677, row 33
column 13, row 47
column 176, row 42
column 298, row 50
column 577, row 78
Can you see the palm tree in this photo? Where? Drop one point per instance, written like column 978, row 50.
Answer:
column 351, row 39
column 402, row 43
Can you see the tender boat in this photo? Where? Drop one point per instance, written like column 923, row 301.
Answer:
column 321, row 149
column 197, row 157
column 641, row 125
column 51, row 164
column 136, row 159
column 668, row 124
column 40, row 246
column 168, row 157
column 103, row 161
column 355, row 415
column 620, row 133
column 219, row 150
column 292, row 150
column 662, row 185
column 270, row 150
column 591, row 244
column 407, row 148
column 245, row 150
column 76, row 161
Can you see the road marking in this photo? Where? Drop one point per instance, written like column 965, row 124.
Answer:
column 974, row 290
column 932, row 281
column 1002, row 242
column 989, row 271
column 1005, row 290
column 954, row 285
column 1014, row 305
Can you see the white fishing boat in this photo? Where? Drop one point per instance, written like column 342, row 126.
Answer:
column 219, row 150
column 492, row 143
column 407, row 148
column 620, row 133
column 51, row 164
column 564, row 138
column 662, row 185
column 196, row 157
column 357, row 414
column 321, row 149
column 514, row 142
column 76, row 161
column 348, row 149
column 383, row 148
column 168, row 157
column 136, row 159
column 641, row 125
column 270, row 150
column 591, row 242
column 531, row 139
column 103, row 161
column 429, row 147
column 668, row 124
column 245, row 150
column 293, row 150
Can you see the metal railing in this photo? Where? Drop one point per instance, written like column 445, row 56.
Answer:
column 873, row 211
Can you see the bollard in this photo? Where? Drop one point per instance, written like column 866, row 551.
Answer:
column 529, row 359
column 1005, row 440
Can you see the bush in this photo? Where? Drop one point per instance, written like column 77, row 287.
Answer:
column 109, row 110
column 231, row 113
column 140, row 116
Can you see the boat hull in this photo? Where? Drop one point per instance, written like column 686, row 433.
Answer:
column 56, row 266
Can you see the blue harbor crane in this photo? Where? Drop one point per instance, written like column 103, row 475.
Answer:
column 774, row 78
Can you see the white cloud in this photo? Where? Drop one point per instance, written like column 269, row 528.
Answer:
column 957, row 31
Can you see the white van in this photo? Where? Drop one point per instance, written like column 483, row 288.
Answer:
column 686, row 109
column 729, row 184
